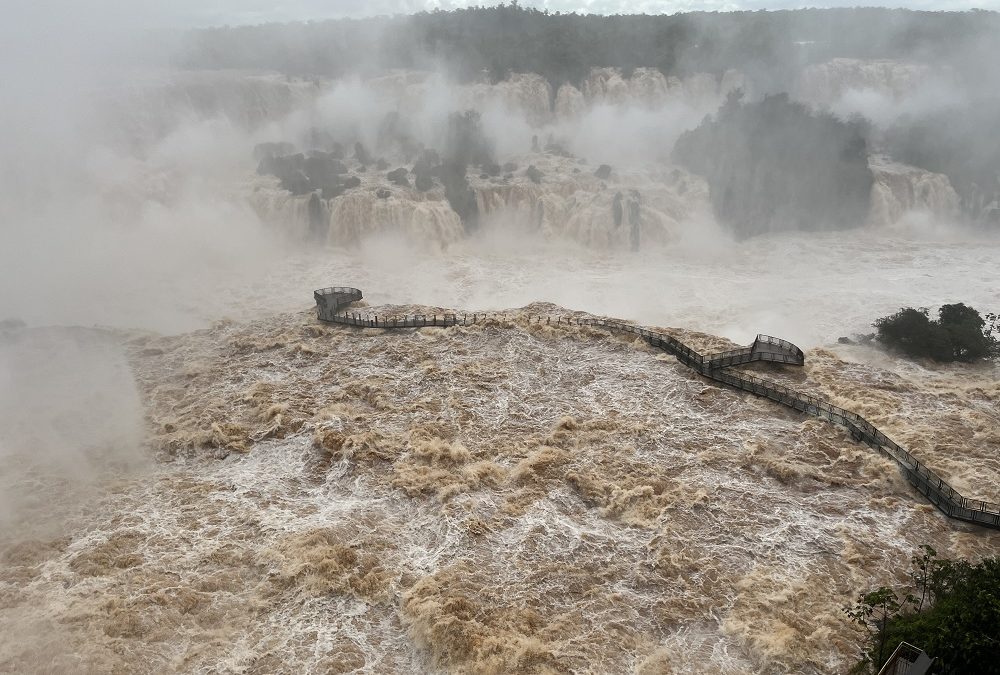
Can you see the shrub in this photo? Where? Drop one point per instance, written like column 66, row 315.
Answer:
column 959, row 333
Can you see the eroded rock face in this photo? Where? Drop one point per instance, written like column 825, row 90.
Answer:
column 567, row 204
column 900, row 189
column 468, row 175
column 825, row 83
column 645, row 88
column 526, row 93
column 531, row 98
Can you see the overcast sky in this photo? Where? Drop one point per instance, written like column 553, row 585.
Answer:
column 193, row 13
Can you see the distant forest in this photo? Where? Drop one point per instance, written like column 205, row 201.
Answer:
column 564, row 47
column 744, row 151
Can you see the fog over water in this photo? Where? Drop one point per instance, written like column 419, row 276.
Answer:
column 197, row 476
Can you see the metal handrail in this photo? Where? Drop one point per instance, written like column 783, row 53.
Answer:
column 330, row 301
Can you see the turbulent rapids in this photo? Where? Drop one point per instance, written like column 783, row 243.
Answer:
column 330, row 301
column 507, row 495
column 198, row 476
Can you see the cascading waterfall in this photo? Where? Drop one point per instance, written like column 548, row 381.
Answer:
column 900, row 189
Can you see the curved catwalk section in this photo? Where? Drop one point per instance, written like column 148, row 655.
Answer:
column 331, row 303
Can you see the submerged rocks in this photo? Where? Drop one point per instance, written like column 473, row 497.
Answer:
column 603, row 172
column 534, row 174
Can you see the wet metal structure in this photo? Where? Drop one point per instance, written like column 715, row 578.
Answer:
column 332, row 302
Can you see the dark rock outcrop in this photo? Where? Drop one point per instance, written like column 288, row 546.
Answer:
column 361, row 154
column 425, row 169
column 301, row 175
column 459, row 195
column 323, row 169
column 603, row 172
column 318, row 217
column 423, row 182
column 465, row 144
column 290, row 170
column 398, row 177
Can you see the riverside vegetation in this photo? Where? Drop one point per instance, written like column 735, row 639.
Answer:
column 951, row 610
column 960, row 333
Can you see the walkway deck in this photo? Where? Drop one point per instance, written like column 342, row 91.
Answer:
column 331, row 301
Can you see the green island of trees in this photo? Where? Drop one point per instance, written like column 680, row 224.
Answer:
column 959, row 333
column 775, row 165
column 951, row 611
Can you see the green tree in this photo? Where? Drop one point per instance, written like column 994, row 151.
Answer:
column 776, row 165
column 873, row 611
column 955, row 618
column 965, row 329
column 959, row 334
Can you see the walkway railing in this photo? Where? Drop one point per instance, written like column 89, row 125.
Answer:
column 330, row 302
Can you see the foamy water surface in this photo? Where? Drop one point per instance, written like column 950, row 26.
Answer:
column 499, row 498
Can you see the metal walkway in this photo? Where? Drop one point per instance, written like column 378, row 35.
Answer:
column 331, row 304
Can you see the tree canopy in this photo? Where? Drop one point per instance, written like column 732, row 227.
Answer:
column 564, row 47
column 951, row 611
column 774, row 165
column 959, row 334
